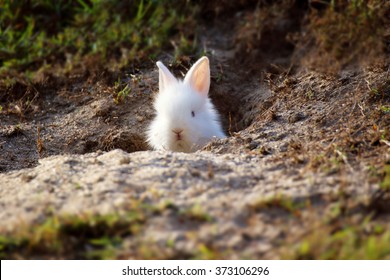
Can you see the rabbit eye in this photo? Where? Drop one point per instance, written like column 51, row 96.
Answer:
column 193, row 113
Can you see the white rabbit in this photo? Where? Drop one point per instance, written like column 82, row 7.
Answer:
column 186, row 119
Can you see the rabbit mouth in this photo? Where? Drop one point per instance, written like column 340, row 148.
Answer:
column 179, row 144
column 178, row 134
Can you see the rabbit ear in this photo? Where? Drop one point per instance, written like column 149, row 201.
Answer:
column 165, row 77
column 199, row 76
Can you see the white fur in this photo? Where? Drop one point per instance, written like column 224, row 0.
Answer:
column 174, row 105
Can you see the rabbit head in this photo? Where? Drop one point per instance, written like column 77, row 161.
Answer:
column 185, row 117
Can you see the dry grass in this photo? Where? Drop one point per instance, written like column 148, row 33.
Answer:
column 344, row 33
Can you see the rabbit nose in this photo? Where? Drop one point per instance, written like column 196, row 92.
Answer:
column 177, row 131
column 178, row 135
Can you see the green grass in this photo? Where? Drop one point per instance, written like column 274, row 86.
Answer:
column 195, row 213
column 122, row 91
column 93, row 236
column 280, row 202
column 334, row 227
column 334, row 234
column 347, row 228
column 385, row 109
column 42, row 32
column 385, row 184
column 346, row 241
column 82, row 237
